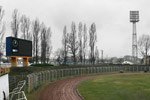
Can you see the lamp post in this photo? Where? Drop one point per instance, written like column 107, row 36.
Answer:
column 134, row 18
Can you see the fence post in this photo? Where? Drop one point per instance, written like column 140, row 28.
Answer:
column 52, row 74
column 29, row 83
column 98, row 69
column 87, row 70
column 94, row 69
column 71, row 71
column 91, row 70
column 28, row 77
column 44, row 76
column 55, row 74
column 117, row 68
column 62, row 73
column 34, row 81
column 47, row 76
column 78, row 72
column 110, row 69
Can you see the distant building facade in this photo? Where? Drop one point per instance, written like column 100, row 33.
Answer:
column 147, row 61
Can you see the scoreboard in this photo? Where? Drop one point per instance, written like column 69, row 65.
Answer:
column 18, row 47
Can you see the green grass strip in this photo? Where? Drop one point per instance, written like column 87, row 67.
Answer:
column 122, row 87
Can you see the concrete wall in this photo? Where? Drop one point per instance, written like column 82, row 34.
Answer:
column 4, row 86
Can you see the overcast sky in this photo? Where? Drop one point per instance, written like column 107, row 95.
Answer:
column 114, row 31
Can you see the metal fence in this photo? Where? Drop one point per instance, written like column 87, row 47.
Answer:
column 13, row 80
column 35, row 80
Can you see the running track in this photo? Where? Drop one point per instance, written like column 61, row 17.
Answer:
column 66, row 89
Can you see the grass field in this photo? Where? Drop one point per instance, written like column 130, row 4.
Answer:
column 123, row 87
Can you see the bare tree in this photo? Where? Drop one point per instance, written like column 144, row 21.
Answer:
column 25, row 27
column 84, row 42
column 43, row 43
column 58, row 55
column 15, row 23
column 96, row 55
column 144, row 45
column 92, row 42
column 72, row 42
column 64, row 43
column 2, row 30
column 80, row 35
column 36, row 30
column 48, row 44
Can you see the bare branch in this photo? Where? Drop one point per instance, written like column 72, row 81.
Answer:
column 92, row 41
column 15, row 23
column 2, row 31
column 144, row 45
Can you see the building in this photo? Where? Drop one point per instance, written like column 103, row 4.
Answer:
column 148, row 60
column 127, row 58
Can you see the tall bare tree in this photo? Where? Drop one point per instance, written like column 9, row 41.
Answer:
column 15, row 23
column 92, row 42
column 144, row 45
column 43, row 43
column 2, row 30
column 96, row 54
column 72, row 42
column 80, row 35
column 25, row 27
column 48, row 44
column 84, row 42
column 64, row 43
column 36, row 31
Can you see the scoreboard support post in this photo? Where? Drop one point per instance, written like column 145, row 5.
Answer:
column 14, row 61
column 25, row 61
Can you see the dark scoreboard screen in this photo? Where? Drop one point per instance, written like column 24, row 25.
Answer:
column 18, row 47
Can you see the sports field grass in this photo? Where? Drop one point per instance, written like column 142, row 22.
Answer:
column 122, row 87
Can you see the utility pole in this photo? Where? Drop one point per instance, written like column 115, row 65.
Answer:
column 134, row 18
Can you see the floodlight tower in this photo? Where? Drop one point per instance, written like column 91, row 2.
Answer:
column 134, row 18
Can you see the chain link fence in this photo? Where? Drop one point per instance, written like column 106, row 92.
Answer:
column 35, row 80
column 13, row 80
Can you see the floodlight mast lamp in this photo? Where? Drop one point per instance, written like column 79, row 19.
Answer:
column 134, row 18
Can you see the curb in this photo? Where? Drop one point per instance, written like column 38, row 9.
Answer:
column 79, row 94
